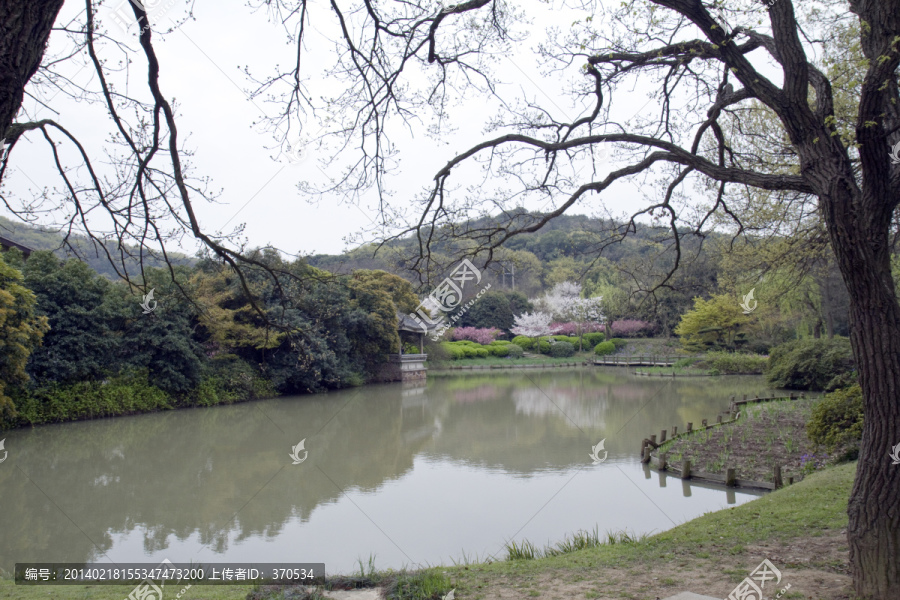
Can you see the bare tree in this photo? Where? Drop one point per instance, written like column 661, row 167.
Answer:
column 710, row 63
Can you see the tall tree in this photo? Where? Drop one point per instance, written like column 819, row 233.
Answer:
column 711, row 63
column 21, row 330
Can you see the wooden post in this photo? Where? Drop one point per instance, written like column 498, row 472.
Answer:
column 690, row 427
column 778, row 482
column 674, row 430
column 646, row 457
column 662, row 436
column 729, row 477
column 663, row 461
column 653, row 438
column 745, row 397
column 792, row 396
column 791, row 480
column 686, row 469
column 704, row 423
column 719, row 419
column 643, row 445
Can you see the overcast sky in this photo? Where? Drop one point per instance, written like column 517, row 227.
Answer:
column 201, row 69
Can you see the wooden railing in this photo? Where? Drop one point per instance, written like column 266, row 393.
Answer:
column 649, row 360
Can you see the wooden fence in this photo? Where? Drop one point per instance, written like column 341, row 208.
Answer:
column 685, row 471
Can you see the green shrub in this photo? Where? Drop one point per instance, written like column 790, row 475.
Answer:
column 562, row 350
column 837, row 421
column 499, row 349
column 544, row 347
column 843, row 380
column 683, row 363
column 619, row 343
column 454, row 352
column 809, row 364
column 594, row 338
column 470, row 352
column 482, row 352
column 515, row 351
column 120, row 395
column 604, row 348
column 523, row 342
column 731, row 363
column 501, row 342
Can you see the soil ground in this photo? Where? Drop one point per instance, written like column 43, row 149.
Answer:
column 766, row 434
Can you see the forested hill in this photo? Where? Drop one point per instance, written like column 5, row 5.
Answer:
column 565, row 248
column 38, row 238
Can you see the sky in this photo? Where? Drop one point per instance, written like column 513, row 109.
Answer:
column 201, row 70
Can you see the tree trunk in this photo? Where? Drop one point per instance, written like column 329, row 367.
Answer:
column 24, row 30
column 859, row 236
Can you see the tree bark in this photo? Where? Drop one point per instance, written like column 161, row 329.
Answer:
column 861, row 245
column 25, row 27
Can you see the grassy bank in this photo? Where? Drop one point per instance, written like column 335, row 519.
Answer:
column 799, row 528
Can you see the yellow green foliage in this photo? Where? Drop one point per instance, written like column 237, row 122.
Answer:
column 712, row 323
column 21, row 330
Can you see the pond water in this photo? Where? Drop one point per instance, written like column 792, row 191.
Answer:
column 409, row 475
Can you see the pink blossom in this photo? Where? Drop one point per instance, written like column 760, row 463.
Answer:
column 474, row 334
column 631, row 328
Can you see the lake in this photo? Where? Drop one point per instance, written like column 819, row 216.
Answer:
column 409, row 475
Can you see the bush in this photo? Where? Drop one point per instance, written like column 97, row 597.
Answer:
column 809, row 364
column 618, row 343
column 683, row 363
column 592, row 339
column 474, row 334
column 730, row 363
column 562, row 350
column 470, row 352
column 604, row 348
column 837, row 421
column 453, row 350
column 515, row 351
column 121, row 395
column 544, row 347
column 482, row 352
column 498, row 349
column 561, row 338
column 523, row 342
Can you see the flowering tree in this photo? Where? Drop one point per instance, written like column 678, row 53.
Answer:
column 558, row 301
column 565, row 303
column 585, row 313
column 483, row 336
column 535, row 324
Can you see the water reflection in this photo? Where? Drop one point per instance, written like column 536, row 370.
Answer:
column 410, row 474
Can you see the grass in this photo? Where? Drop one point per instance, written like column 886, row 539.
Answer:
column 813, row 507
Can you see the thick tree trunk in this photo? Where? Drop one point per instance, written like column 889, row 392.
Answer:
column 24, row 30
column 860, row 240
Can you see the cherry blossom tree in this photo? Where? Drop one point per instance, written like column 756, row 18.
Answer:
column 534, row 325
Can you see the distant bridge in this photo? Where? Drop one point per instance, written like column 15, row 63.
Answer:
column 639, row 361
